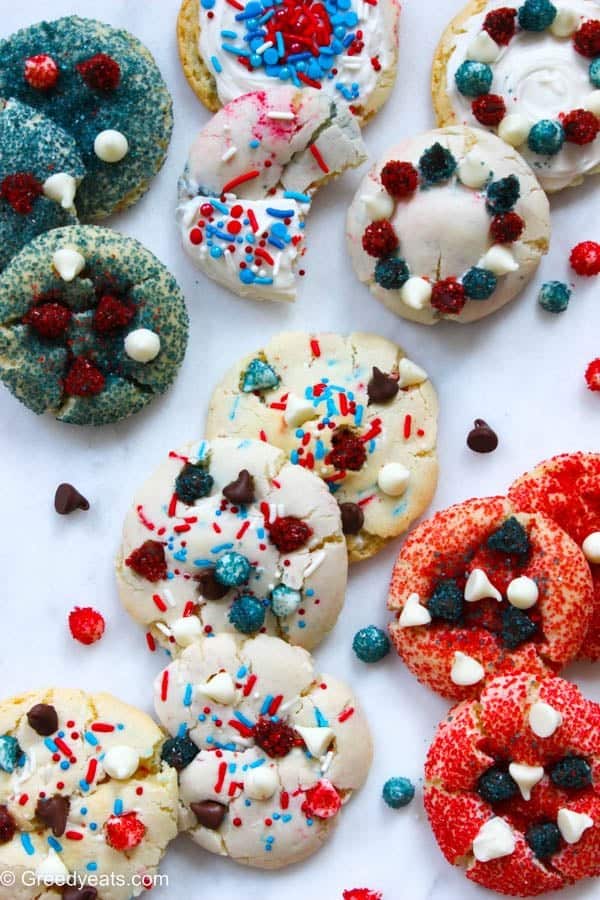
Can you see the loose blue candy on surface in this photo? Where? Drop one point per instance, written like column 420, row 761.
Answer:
column 554, row 296
column 398, row 792
column 371, row 644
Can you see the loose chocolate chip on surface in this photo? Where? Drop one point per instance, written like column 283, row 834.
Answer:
column 67, row 499
column 482, row 438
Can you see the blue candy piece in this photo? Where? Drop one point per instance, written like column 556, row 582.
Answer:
column 554, row 296
column 247, row 614
column 10, row 753
column 391, row 273
column 259, row 376
column 594, row 71
column 479, row 284
column 502, row 195
column 437, row 164
column 536, row 15
column 546, row 137
column 284, row 600
column 371, row 644
column 398, row 792
column 232, row 569
column 473, row 78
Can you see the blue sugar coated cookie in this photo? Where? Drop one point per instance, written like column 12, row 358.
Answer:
column 437, row 164
column 495, row 785
column 502, row 195
column 285, row 600
column 447, row 601
column 594, row 72
column 517, row 627
column 479, row 284
column 259, row 376
column 371, row 644
column 179, row 752
column 536, row 15
column 192, row 483
column 544, row 839
column 247, row 614
column 473, row 78
column 10, row 753
column 554, row 296
column 546, row 137
column 232, row 569
column 398, row 792
column 510, row 538
column 391, row 273
column 573, row 773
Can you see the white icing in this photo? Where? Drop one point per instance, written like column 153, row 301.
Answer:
column 544, row 719
column 499, row 260
column 479, row 587
column 220, row 688
column 466, row 670
column 416, row 292
column 414, row 613
column 393, row 479
column 68, row 262
column 186, row 629
column 111, row 146
column 494, row 840
column 142, row 345
column 61, row 188
column 410, row 373
column 526, row 777
column 522, row 592
column 591, row 547
column 121, row 762
column 572, row 825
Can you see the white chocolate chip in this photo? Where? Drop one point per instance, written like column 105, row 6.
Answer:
column 142, row 345
column 298, row 410
column 473, row 170
column 52, row 870
column 186, row 630
column 593, row 103
column 572, row 825
column 261, row 782
column 483, row 48
column 514, row 129
column 522, row 592
column 494, row 840
column 317, row 740
column 378, row 206
column 526, row 777
column 410, row 373
column 479, row 587
column 61, row 188
column 68, row 262
column 499, row 260
column 393, row 479
column 416, row 292
column 414, row 613
column 120, row 762
column 591, row 547
column 566, row 22
column 466, row 670
column 219, row 688
column 544, row 719
column 111, row 146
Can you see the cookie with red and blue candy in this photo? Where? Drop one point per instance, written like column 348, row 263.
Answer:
column 249, row 181
column 345, row 48
column 84, row 794
column 482, row 589
column 228, row 535
column 531, row 74
column 93, row 326
column 353, row 409
column 400, row 243
column 512, row 786
column 103, row 87
column 268, row 751
column 566, row 488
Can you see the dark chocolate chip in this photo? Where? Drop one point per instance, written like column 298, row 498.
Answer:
column 240, row 491
column 8, row 826
column 43, row 719
column 54, row 812
column 82, row 893
column 382, row 387
column 209, row 813
column 208, row 585
column 482, row 438
column 67, row 499
column 353, row 518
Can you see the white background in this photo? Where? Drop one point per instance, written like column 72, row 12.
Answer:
column 521, row 369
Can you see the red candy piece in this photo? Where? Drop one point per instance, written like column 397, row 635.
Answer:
column 592, row 375
column 581, row 127
column 275, row 738
column 50, row 320
column 585, row 258
column 361, row 894
column 111, row 313
column 489, row 109
column 507, row 228
column 448, row 296
column 500, row 24
column 83, row 379
column 86, row 624
column 124, row 832
column 347, row 453
column 149, row 561
column 322, row 801
column 586, row 39
column 400, row 179
column 21, row 191
column 379, row 238
column 100, row 72
column 41, row 72
column 289, row 533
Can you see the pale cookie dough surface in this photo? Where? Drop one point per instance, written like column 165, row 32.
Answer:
column 196, row 535
column 71, row 762
column 348, row 48
column 322, row 391
column 432, row 250
column 539, row 75
column 249, row 182
column 268, row 678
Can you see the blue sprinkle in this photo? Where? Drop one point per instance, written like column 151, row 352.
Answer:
column 247, row 276
column 301, row 624
column 91, row 739
column 296, row 195
column 207, row 4
column 280, row 213
column 254, row 143
column 237, row 51
column 358, row 415
column 256, row 763
column 92, row 866
column 271, row 56
column 232, row 768
column 118, row 807
column 229, row 34
column 203, row 562
column 276, row 242
column 189, row 693
column 266, row 704
column 84, row 785
column 55, row 844
column 93, row 826
column 320, row 718
column 221, row 547
column 216, row 252
column 310, row 592
column 51, row 745
column 286, row 818
column 65, row 766
column 241, row 672
column 216, row 64
column 280, row 44
column 243, row 719
column 27, row 845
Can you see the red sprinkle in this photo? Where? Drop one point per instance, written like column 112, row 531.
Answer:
column 346, row 714
column 221, row 777
column 309, row 81
column 164, row 686
column 159, row 602
column 592, row 375
column 320, row 161
column 73, row 835
column 150, row 642
column 240, row 179
column 585, row 258
column 315, row 347
column 103, row 727
column 41, row 72
column 86, row 624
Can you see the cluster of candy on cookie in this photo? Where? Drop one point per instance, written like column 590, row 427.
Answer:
column 436, row 167
column 474, row 77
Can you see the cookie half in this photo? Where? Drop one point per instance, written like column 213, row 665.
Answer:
column 530, row 74
column 268, row 751
column 229, row 536
column 347, row 49
column 93, row 326
column 354, row 410
column 481, row 589
column 104, row 88
column 84, row 794
column 398, row 235
column 249, row 182
column 512, row 786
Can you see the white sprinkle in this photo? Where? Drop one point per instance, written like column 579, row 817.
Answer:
column 281, row 114
column 327, row 762
column 164, row 629
column 266, row 46
column 351, row 62
column 169, row 597
column 229, row 154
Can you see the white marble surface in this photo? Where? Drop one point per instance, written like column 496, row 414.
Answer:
column 522, row 370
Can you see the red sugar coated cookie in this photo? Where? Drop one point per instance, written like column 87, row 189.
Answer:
column 567, row 489
column 504, row 728
column 467, row 641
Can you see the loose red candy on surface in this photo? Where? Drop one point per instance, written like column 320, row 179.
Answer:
column 322, row 801
column 149, row 561
column 124, row 832
column 586, row 39
column 50, row 320
column 500, row 24
column 41, row 72
column 21, row 190
column 100, row 72
column 592, row 375
column 86, row 624
column 83, row 379
column 400, row 179
column 585, row 258
column 507, row 228
column 379, row 238
column 489, row 109
column 289, row 533
column 448, row 296
column 362, row 894
column 581, row 126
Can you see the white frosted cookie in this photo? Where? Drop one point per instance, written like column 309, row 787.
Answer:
column 229, row 536
column 249, row 182
column 398, row 231
column 355, row 410
column 84, row 796
column 268, row 750
column 531, row 73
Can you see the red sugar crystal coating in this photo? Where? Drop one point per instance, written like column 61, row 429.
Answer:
column 592, row 375
column 500, row 24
